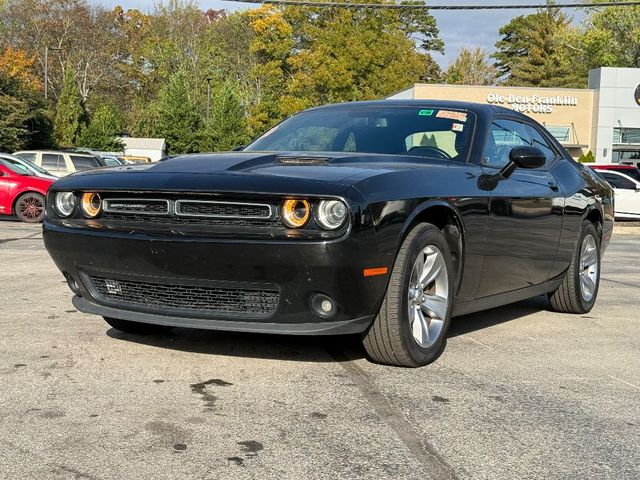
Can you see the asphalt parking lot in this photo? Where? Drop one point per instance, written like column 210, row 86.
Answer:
column 520, row 392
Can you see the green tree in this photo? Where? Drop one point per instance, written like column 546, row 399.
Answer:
column 227, row 126
column 103, row 130
column 24, row 121
column 527, row 53
column 608, row 37
column 471, row 67
column 178, row 120
column 70, row 116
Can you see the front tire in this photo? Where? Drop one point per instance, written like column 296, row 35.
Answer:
column 30, row 207
column 138, row 328
column 579, row 288
column 411, row 328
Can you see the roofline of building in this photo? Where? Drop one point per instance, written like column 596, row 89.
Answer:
column 488, row 87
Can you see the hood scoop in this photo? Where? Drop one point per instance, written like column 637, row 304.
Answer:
column 302, row 161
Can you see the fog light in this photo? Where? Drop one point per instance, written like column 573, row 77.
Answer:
column 323, row 306
column 73, row 285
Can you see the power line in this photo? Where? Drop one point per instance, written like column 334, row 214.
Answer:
column 405, row 6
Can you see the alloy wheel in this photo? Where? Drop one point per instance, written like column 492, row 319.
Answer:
column 588, row 267
column 428, row 296
column 30, row 208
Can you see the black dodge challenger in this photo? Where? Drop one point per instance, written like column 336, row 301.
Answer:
column 380, row 218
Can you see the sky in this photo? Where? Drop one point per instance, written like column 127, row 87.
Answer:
column 457, row 28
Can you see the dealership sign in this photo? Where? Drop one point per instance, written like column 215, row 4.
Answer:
column 532, row 103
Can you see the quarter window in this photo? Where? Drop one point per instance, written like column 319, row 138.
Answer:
column 503, row 136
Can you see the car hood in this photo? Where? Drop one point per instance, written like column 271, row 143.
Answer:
column 290, row 172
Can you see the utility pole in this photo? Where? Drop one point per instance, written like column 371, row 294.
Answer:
column 208, row 79
column 46, row 69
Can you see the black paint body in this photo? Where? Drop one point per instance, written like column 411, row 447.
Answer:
column 517, row 238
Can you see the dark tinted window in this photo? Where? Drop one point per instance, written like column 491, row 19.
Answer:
column 618, row 181
column 629, row 172
column 503, row 136
column 52, row 160
column 538, row 141
column 429, row 132
column 84, row 163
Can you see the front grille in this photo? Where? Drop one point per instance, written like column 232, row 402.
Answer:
column 137, row 206
column 199, row 208
column 203, row 300
column 177, row 221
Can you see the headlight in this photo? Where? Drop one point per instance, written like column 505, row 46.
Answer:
column 65, row 203
column 331, row 214
column 91, row 204
column 295, row 213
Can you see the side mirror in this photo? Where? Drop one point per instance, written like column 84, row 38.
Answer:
column 527, row 157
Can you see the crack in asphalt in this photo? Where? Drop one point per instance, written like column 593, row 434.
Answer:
column 29, row 237
column 620, row 283
column 435, row 465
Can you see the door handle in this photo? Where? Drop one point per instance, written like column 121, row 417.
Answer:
column 553, row 186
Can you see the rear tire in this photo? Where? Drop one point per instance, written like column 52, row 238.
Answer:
column 411, row 328
column 29, row 207
column 136, row 327
column 579, row 288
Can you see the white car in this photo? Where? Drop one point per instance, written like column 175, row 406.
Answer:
column 60, row 163
column 627, row 193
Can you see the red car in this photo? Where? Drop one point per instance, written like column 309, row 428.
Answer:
column 22, row 193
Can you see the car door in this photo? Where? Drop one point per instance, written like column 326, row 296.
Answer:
column 526, row 209
column 626, row 192
column 54, row 163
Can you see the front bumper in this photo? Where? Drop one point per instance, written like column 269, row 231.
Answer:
column 296, row 270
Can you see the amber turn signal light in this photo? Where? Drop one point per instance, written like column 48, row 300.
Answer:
column 91, row 204
column 372, row 272
column 295, row 213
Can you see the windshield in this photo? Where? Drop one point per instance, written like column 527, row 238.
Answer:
column 428, row 132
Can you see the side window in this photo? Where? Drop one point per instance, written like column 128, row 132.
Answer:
column 27, row 156
column 618, row 181
column 539, row 141
column 503, row 136
column 52, row 160
column 84, row 163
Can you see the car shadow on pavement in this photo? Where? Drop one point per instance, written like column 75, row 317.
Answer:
column 488, row 318
column 309, row 348
column 253, row 345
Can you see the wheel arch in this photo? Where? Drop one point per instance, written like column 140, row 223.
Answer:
column 594, row 215
column 448, row 219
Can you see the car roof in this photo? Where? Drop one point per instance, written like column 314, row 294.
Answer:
column 608, row 166
column 480, row 108
column 57, row 152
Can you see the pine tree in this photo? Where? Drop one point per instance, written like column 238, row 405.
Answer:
column 70, row 114
column 105, row 126
column 227, row 127
column 527, row 53
column 178, row 120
